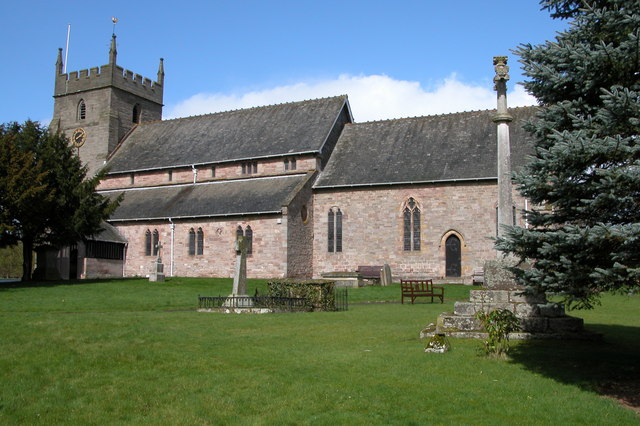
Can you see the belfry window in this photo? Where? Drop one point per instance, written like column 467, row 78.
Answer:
column 334, row 230
column 411, row 226
column 137, row 112
column 82, row 110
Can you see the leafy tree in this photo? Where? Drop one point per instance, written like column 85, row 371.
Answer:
column 11, row 261
column 586, row 166
column 46, row 198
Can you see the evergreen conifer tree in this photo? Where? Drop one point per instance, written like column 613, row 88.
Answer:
column 45, row 196
column 584, row 236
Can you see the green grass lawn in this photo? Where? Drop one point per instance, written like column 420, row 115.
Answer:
column 134, row 352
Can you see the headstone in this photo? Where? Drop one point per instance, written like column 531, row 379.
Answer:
column 385, row 275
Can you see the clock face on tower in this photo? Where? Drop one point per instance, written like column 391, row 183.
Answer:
column 78, row 137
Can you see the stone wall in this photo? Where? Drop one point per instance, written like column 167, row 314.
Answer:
column 269, row 257
column 102, row 268
column 373, row 227
column 222, row 171
column 300, row 233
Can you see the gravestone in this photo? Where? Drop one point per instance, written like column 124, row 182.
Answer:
column 385, row 275
column 157, row 269
column 238, row 296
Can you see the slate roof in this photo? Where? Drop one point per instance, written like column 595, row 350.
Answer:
column 107, row 233
column 226, row 198
column 296, row 127
column 423, row 149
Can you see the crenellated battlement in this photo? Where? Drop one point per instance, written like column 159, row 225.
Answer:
column 110, row 75
column 106, row 76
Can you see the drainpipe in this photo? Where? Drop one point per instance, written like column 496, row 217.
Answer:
column 195, row 173
column 173, row 231
column 124, row 259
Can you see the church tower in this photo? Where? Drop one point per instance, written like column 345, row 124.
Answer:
column 96, row 108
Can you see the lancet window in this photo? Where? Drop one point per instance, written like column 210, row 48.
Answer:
column 411, row 226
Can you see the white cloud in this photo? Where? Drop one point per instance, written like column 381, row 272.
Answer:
column 372, row 97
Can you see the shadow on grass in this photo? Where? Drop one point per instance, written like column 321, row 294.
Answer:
column 609, row 367
column 5, row 285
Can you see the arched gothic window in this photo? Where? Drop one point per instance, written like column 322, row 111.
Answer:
column 334, row 230
column 155, row 240
column 137, row 112
column 192, row 242
column 248, row 237
column 411, row 226
column 147, row 243
column 82, row 110
column 200, row 242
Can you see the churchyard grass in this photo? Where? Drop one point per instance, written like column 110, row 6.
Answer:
column 134, row 352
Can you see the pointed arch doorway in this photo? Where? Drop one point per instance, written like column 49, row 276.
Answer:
column 453, row 256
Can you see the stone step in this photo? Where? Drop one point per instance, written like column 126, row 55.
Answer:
column 503, row 296
column 468, row 323
column 521, row 310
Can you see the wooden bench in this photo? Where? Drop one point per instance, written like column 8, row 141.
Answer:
column 420, row 288
column 370, row 272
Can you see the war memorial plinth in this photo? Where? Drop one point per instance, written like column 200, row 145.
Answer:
column 539, row 318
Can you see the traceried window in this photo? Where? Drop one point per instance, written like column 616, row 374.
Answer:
column 334, row 230
column 411, row 226
column 82, row 110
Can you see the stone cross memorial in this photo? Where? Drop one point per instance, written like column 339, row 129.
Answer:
column 157, row 269
column 240, row 276
column 238, row 297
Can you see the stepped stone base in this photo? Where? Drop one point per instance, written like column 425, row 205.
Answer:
column 539, row 319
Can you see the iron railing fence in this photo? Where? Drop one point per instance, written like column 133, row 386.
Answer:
column 341, row 299
column 290, row 304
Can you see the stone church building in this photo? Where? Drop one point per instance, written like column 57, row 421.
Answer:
column 313, row 191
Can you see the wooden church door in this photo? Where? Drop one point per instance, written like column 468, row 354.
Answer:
column 453, row 256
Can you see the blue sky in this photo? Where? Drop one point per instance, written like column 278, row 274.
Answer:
column 393, row 58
